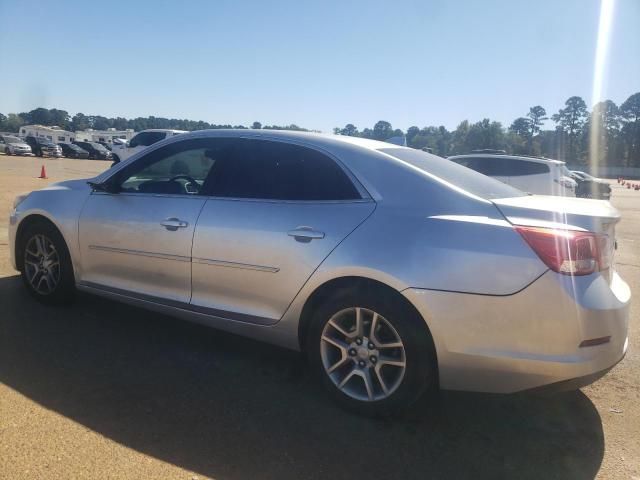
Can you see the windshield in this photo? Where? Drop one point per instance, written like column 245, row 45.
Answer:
column 462, row 177
column 99, row 147
column 13, row 140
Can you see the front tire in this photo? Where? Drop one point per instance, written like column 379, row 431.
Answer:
column 47, row 271
column 372, row 351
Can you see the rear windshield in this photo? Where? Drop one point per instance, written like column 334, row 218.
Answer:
column 449, row 171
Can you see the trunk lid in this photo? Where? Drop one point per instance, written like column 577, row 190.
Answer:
column 559, row 212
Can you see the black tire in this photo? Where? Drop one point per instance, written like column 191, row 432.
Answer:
column 7, row 151
column 64, row 291
column 421, row 366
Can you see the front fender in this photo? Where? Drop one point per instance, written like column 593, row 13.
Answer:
column 61, row 204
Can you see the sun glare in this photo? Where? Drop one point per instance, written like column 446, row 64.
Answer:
column 599, row 72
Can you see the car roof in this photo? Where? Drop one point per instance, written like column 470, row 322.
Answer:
column 163, row 130
column 510, row 157
column 311, row 138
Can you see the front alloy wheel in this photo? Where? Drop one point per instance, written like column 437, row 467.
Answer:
column 46, row 266
column 42, row 264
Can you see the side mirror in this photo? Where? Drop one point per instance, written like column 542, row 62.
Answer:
column 104, row 187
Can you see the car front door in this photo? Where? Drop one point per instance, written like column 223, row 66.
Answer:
column 275, row 212
column 136, row 237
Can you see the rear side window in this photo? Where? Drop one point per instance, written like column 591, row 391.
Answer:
column 451, row 172
column 263, row 169
column 503, row 166
column 493, row 167
column 522, row 167
column 144, row 139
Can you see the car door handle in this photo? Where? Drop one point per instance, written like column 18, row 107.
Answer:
column 305, row 234
column 174, row 224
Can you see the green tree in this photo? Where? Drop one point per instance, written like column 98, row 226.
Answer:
column 14, row 122
column 349, row 130
column 521, row 126
column 630, row 112
column 382, row 130
column 603, row 129
column 59, row 118
column 80, row 122
column 571, row 120
column 256, row 125
column 537, row 115
column 38, row 116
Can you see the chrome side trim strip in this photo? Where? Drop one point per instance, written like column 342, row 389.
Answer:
column 164, row 256
column 245, row 266
column 212, row 312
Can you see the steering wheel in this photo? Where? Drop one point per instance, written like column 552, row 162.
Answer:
column 190, row 181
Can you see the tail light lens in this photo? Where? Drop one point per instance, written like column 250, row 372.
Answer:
column 567, row 251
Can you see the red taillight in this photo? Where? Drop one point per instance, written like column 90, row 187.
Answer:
column 567, row 251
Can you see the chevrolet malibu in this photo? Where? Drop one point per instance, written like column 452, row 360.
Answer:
column 394, row 270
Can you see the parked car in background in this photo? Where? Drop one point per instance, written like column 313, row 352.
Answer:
column 95, row 150
column 393, row 269
column 141, row 141
column 43, row 147
column 529, row 174
column 71, row 150
column 106, row 145
column 11, row 145
column 591, row 187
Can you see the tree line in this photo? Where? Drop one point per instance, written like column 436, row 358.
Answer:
column 608, row 133
column 61, row 118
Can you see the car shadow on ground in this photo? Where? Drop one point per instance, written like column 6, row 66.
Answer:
column 232, row 408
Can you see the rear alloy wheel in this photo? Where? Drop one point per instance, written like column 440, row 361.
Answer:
column 363, row 354
column 47, row 271
column 372, row 351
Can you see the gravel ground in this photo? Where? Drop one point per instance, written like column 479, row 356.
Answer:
column 103, row 390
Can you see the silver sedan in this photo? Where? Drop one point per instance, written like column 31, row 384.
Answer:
column 395, row 270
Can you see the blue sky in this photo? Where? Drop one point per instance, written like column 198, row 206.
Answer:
column 316, row 64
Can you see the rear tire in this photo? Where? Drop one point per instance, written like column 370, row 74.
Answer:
column 47, row 271
column 362, row 370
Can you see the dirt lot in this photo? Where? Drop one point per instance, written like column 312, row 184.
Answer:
column 102, row 390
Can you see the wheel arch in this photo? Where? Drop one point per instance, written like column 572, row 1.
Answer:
column 26, row 222
column 355, row 284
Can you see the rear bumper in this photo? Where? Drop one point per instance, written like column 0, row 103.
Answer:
column 531, row 339
column 573, row 383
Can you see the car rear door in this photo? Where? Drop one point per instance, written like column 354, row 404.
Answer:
column 276, row 211
column 138, row 241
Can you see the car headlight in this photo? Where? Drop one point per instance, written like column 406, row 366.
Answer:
column 19, row 199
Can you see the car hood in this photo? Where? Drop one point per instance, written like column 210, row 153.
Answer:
column 21, row 145
column 70, row 185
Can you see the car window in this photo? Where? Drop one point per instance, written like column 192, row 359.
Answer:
column 144, row 139
column 523, row 167
column 180, row 168
column 280, row 171
column 490, row 166
column 451, row 172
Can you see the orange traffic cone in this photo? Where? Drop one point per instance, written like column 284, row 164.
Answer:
column 43, row 173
